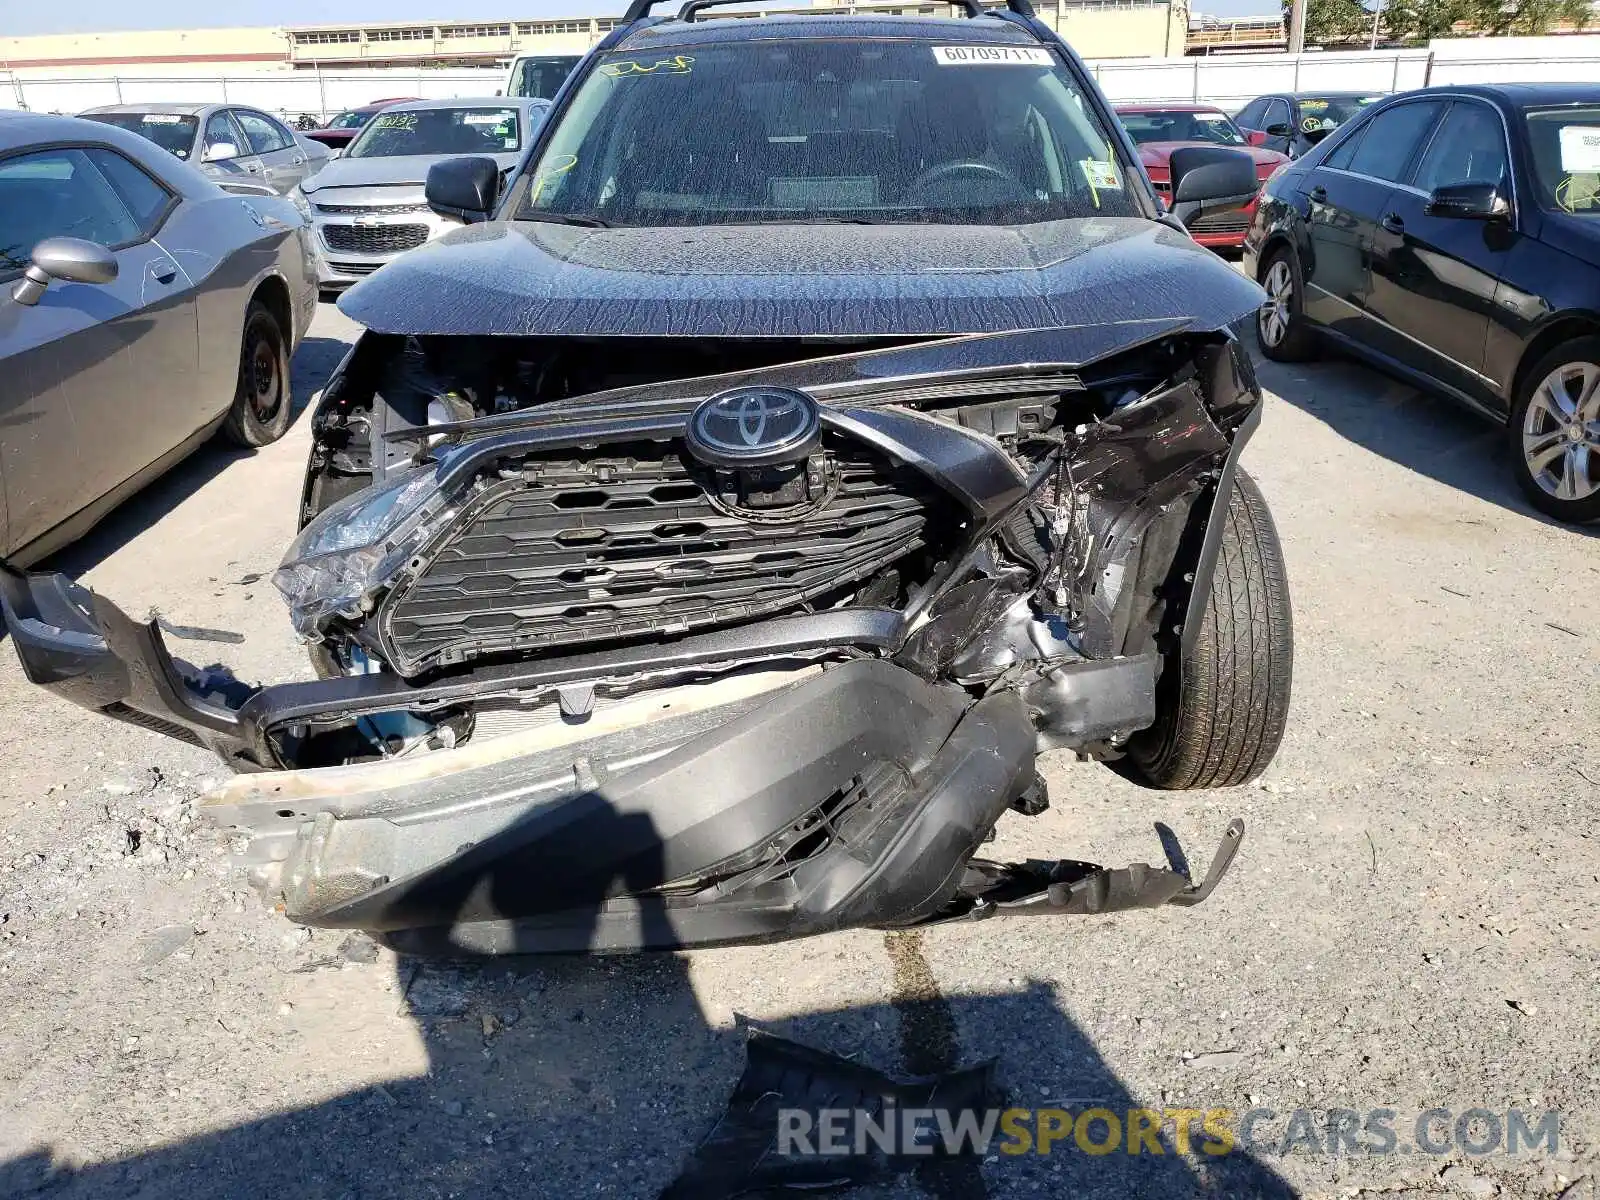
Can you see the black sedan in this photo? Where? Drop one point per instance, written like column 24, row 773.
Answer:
column 142, row 308
column 1451, row 236
column 1293, row 122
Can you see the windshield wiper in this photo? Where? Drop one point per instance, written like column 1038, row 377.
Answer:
column 570, row 219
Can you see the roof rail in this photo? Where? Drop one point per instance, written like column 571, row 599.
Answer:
column 639, row 9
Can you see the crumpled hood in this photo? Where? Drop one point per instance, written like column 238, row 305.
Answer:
column 393, row 169
column 526, row 278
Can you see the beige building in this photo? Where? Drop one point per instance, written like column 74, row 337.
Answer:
column 1095, row 28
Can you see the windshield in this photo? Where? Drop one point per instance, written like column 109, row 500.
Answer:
column 1179, row 125
column 173, row 132
column 1325, row 113
column 541, row 78
column 354, row 119
column 438, row 131
column 842, row 130
column 1566, row 158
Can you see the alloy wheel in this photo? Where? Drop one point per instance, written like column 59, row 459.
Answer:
column 1561, row 432
column 1273, row 319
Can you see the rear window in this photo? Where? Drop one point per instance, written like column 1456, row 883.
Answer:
column 822, row 129
column 1180, row 126
column 438, row 131
column 173, row 132
column 1566, row 158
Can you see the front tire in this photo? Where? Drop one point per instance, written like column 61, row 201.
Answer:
column 1282, row 331
column 262, row 401
column 1222, row 707
column 1555, row 432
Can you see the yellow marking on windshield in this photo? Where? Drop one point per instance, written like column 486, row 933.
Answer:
column 405, row 121
column 564, row 163
column 678, row 64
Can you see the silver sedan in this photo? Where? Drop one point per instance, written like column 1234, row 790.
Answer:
column 226, row 141
column 142, row 308
column 367, row 207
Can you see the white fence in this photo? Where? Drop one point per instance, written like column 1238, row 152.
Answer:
column 286, row 93
column 1225, row 79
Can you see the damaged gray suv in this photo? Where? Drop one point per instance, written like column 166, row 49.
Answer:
column 700, row 546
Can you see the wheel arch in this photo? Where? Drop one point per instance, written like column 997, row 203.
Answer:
column 273, row 293
column 1562, row 328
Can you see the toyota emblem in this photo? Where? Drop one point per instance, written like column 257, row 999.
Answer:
column 754, row 427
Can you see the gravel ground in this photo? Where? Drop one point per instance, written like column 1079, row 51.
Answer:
column 1411, row 923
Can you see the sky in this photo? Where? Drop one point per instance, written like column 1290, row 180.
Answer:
column 80, row 16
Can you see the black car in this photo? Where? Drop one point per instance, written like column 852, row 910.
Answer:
column 1293, row 122
column 1452, row 237
column 699, row 546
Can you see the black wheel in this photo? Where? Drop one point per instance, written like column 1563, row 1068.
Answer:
column 261, row 404
column 1281, row 327
column 1555, row 432
column 1220, row 715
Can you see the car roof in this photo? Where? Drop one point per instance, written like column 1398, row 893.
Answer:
column 1146, row 106
column 187, row 110
column 1522, row 94
column 956, row 30
column 462, row 102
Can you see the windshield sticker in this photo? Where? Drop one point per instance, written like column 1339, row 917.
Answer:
column 1212, row 118
column 162, row 119
column 1580, row 149
column 992, row 56
column 486, row 118
column 1102, row 176
column 678, row 64
column 406, row 121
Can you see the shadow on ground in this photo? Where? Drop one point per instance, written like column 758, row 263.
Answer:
column 593, row 1076
column 1428, row 434
column 313, row 361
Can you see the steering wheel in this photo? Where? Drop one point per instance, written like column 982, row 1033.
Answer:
column 945, row 171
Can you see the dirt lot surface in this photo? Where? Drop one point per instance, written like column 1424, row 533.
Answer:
column 1411, row 924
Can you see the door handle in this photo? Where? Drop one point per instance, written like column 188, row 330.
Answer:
column 1318, row 193
column 163, row 270
column 1393, row 223
column 299, row 162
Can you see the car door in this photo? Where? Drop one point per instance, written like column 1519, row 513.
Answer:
column 1277, row 124
column 283, row 163
column 221, row 130
column 1434, row 277
column 94, row 373
column 1345, row 194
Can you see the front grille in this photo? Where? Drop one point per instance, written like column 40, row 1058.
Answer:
column 604, row 547
column 374, row 239
column 353, row 268
column 387, row 210
column 1229, row 222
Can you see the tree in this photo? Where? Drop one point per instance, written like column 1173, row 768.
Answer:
column 1419, row 20
column 1329, row 22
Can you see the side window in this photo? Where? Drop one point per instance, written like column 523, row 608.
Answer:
column 145, row 199
column 1341, row 155
column 57, row 193
column 220, row 129
column 1470, row 147
column 1391, row 139
column 1277, row 114
column 1250, row 115
column 262, row 132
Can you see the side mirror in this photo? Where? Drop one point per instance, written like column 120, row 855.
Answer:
column 71, row 259
column 463, row 188
column 1207, row 179
column 1255, row 137
column 220, row 152
column 1280, row 129
column 1470, row 201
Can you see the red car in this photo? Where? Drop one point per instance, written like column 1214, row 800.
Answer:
column 1159, row 129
